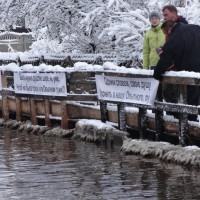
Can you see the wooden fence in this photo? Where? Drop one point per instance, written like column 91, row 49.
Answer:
column 65, row 60
column 81, row 87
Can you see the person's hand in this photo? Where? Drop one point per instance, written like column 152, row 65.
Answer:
column 157, row 76
column 160, row 78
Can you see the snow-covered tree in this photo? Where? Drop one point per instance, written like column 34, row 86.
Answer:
column 91, row 26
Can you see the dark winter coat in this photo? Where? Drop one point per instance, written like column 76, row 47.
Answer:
column 182, row 50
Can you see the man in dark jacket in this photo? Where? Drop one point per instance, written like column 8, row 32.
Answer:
column 170, row 12
column 181, row 52
column 170, row 92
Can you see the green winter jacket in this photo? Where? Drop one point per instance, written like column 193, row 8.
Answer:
column 153, row 39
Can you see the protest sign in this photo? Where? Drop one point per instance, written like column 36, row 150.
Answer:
column 128, row 90
column 51, row 84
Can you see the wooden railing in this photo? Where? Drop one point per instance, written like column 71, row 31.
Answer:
column 181, row 107
column 81, row 86
column 65, row 60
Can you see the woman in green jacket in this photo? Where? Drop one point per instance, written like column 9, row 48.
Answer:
column 154, row 39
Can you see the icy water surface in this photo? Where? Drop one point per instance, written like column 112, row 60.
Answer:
column 33, row 167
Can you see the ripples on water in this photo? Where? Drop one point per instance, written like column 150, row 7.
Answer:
column 33, row 167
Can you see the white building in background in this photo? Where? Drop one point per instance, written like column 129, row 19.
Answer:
column 16, row 40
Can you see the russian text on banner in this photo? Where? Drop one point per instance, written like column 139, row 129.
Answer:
column 127, row 90
column 51, row 84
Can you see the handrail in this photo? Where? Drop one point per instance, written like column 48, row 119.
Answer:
column 65, row 60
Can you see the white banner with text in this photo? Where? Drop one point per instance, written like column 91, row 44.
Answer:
column 51, row 84
column 127, row 90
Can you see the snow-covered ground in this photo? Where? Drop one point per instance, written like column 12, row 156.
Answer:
column 94, row 130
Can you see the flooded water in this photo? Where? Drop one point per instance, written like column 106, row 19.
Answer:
column 33, row 167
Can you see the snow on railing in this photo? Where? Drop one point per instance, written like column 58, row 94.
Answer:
column 15, row 33
column 54, row 59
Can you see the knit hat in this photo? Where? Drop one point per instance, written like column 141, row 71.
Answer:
column 154, row 14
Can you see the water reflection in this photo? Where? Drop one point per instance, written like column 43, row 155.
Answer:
column 34, row 167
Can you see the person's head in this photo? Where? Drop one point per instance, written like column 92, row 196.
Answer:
column 169, row 12
column 167, row 27
column 154, row 18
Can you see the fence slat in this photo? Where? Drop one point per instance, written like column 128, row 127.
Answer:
column 18, row 109
column 5, row 108
column 121, row 116
column 104, row 111
column 47, row 112
column 65, row 118
column 159, row 116
column 142, row 122
column 183, row 121
column 5, row 99
column 33, row 113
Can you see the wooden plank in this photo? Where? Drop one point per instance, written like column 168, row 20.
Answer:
column 104, row 111
column 121, row 116
column 18, row 109
column 181, row 80
column 82, row 112
column 4, row 80
column 177, row 107
column 183, row 121
column 132, row 119
column 47, row 112
column 5, row 111
column 69, row 97
column 40, row 105
column 25, row 106
column 64, row 115
column 82, row 97
column 33, row 111
column 142, row 122
column 159, row 116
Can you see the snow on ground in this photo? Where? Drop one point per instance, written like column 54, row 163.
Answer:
column 189, row 155
column 95, row 130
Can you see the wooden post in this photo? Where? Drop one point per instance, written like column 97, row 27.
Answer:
column 183, row 121
column 18, row 109
column 47, row 112
column 104, row 111
column 5, row 107
column 121, row 116
column 33, row 113
column 65, row 118
column 142, row 122
column 159, row 116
